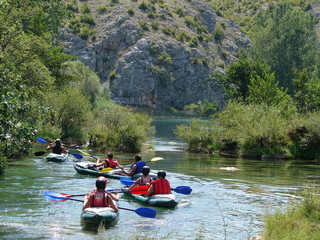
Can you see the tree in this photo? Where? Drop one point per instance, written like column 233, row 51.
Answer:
column 285, row 37
column 238, row 77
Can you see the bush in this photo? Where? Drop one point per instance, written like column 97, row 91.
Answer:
column 130, row 12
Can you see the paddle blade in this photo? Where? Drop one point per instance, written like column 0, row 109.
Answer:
column 156, row 159
column 139, row 190
column 77, row 155
column 126, row 181
column 183, row 190
column 41, row 140
column 104, row 170
column 39, row 153
column 55, row 197
column 146, row 212
column 84, row 153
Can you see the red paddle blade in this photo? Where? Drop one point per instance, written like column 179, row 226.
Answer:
column 139, row 190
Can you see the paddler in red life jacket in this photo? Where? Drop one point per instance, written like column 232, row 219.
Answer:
column 100, row 197
column 144, row 180
column 160, row 185
column 109, row 162
column 57, row 147
column 135, row 167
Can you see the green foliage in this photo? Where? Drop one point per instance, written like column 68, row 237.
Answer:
column 117, row 128
column 236, row 82
column 197, row 136
column 285, row 37
column 206, row 108
column 218, row 33
column 86, row 18
column 300, row 221
column 164, row 58
column 266, row 91
column 85, row 9
column 114, row 2
column 180, row 12
column 102, row 9
column 143, row 6
column 144, row 25
column 155, row 25
column 164, row 77
column 130, row 11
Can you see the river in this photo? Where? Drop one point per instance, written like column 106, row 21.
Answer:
column 229, row 199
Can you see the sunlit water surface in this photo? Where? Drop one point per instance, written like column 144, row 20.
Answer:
column 229, row 199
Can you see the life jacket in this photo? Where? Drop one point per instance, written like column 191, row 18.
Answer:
column 145, row 180
column 140, row 164
column 98, row 199
column 161, row 186
column 112, row 163
column 57, row 149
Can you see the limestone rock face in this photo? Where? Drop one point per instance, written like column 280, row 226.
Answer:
column 151, row 68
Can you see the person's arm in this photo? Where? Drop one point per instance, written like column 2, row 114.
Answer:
column 114, row 196
column 150, row 191
column 86, row 202
column 132, row 170
column 111, row 203
column 50, row 146
column 64, row 150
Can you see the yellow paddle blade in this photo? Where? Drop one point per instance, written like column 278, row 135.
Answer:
column 104, row 170
column 156, row 159
column 84, row 153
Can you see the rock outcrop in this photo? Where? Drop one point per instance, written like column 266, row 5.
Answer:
column 153, row 68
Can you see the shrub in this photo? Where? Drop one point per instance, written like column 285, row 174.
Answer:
column 155, row 25
column 86, row 9
column 130, row 12
column 144, row 25
column 85, row 18
column 102, row 9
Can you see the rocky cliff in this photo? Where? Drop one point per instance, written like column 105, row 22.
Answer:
column 163, row 55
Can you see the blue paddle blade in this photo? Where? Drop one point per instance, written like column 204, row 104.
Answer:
column 183, row 190
column 126, row 181
column 56, row 197
column 77, row 155
column 41, row 140
column 146, row 212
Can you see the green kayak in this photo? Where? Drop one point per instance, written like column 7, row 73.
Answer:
column 98, row 215
column 159, row 200
column 89, row 169
column 53, row 157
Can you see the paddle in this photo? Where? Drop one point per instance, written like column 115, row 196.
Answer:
column 180, row 189
column 144, row 212
column 76, row 155
column 84, row 153
column 41, row 140
column 151, row 160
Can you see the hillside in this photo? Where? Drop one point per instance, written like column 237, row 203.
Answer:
column 157, row 53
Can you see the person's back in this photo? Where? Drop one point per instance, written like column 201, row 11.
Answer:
column 145, row 179
column 160, row 185
column 57, row 148
column 135, row 167
column 99, row 197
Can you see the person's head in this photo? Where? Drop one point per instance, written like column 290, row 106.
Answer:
column 58, row 142
column 161, row 174
column 101, row 183
column 137, row 157
column 110, row 155
column 145, row 170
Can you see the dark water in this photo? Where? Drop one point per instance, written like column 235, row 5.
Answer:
column 229, row 199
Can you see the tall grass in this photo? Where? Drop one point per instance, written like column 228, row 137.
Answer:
column 300, row 221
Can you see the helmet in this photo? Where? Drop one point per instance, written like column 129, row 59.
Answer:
column 110, row 155
column 137, row 157
column 58, row 142
column 101, row 183
column 161, row 174
column 145, row 170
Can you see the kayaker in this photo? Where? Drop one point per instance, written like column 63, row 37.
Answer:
column 109, row 162
column 135, row 167
column 144, row 180
column 100, row 197
column 57, row 147
column 160, row 185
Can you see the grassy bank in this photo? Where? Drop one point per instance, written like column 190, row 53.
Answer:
column 300, row 221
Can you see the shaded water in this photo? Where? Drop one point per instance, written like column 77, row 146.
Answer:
column 224, row 204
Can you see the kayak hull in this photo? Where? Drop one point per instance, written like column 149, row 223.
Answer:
column 99, row 215
column 53, row 157
column 159, row 200
column 83, row 168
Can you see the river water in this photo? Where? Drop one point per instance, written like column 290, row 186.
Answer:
column 229, row 199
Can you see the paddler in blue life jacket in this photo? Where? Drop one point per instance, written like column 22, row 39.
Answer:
column 135, row 167
column 57, row 148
